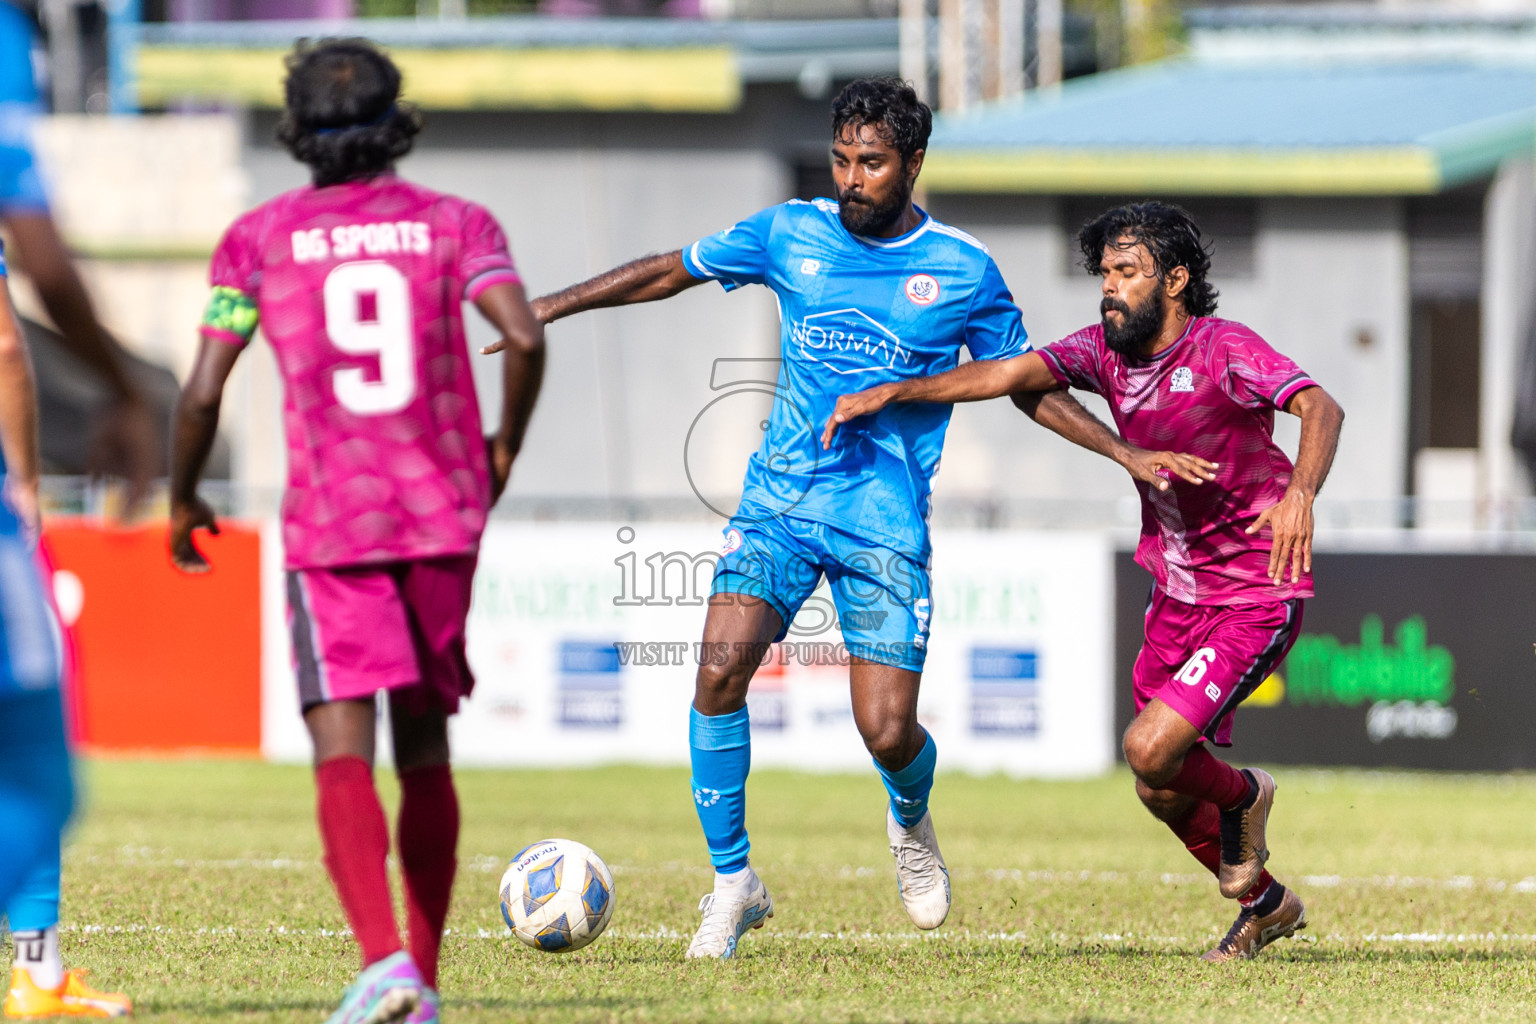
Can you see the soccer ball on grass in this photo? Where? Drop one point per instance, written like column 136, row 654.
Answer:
column 557, row 895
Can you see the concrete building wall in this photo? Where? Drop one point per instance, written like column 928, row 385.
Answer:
column 1332, row 292
column 622, row 386
column 1329, row 288
column 625, row 387
column 1509, row 250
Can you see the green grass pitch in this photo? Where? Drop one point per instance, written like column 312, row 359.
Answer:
column 197, row 888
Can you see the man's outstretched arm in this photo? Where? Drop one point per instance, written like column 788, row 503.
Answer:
column 1037, row 392
column 975, row 381
column 1060, row 412
column 647, row 279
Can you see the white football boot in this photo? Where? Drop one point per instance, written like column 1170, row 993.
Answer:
column 921, row 875
column 728, row 915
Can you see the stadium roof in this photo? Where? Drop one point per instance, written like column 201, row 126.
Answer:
column 1222, row 127
column 518, row 62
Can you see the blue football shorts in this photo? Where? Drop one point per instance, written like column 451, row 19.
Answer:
column 881, row 597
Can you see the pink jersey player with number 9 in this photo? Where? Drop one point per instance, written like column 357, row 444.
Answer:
column 358, row 282
column 359, row 290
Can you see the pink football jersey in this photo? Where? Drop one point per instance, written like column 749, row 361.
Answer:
column 1213, row 393
column 359, row 289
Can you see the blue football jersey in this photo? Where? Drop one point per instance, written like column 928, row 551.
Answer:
column 20, row 186
column 859, row 311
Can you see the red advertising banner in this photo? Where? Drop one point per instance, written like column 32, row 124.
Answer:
column 162, row 661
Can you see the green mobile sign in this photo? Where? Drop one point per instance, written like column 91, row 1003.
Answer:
column 1324, row 671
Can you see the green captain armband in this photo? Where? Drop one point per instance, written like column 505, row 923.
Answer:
column 231, row 315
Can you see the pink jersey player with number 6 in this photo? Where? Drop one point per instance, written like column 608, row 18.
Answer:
column 1226, row 523
column 357, row 282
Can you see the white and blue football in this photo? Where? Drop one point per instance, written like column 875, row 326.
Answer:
column 557, row 895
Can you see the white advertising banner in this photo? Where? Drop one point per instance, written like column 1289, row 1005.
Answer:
column 584, row 639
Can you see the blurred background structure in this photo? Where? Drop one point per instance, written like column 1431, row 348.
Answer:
column 1364, row 170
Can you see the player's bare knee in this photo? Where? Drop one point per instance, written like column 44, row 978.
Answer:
column 885, row 747
column 1148, row 758
column 893, row 743
column 341, row 728
column 721, row 689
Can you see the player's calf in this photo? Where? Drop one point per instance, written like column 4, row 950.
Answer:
column 1244, row 846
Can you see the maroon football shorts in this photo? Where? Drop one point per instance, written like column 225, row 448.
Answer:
column 1204, row 660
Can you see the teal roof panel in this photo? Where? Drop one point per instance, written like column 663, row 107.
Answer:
column 1465, row 117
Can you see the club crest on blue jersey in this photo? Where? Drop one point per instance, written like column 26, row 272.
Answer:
column 922, row 289
column 1183, row 379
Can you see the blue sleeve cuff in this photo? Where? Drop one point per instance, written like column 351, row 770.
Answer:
column 695, row 266
column 692, row 264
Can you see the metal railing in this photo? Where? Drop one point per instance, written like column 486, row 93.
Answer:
column 1408, row 523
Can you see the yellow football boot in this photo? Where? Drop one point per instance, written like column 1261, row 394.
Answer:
column 73, row 998
column 84, row 1001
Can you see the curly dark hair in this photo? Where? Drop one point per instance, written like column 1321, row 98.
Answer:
column 343, row 116
column 889, row 106
column 1170, row 235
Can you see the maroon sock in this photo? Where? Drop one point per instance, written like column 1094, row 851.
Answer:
column 356, row 840
column 1200, row 832
column 1204, row 777
column 1251, row 897
column 429, row 837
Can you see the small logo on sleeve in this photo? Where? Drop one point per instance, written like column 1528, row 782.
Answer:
column 1183, row 379
column 733, row 542
column 922, row 289
column 810, row 267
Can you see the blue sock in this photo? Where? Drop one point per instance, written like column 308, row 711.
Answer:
column 909, row 786
column 34, row 905
column 721, row 749
column 36, row 792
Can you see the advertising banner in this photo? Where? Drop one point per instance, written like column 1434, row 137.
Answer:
column 1404, row 660
column 162, row 661
column 585, row 640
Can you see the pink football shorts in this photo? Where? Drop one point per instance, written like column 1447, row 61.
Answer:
column 396, row 626
column 1204, row 660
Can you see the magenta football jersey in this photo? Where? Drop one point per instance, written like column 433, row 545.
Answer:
column 359, row 289
column 1213, row 393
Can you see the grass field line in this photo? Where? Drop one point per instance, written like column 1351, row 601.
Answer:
column 957, row 936
column 130, row 856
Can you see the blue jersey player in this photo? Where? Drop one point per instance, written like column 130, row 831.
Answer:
column 870, row 289
column 36, row 791
column 35, row 783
